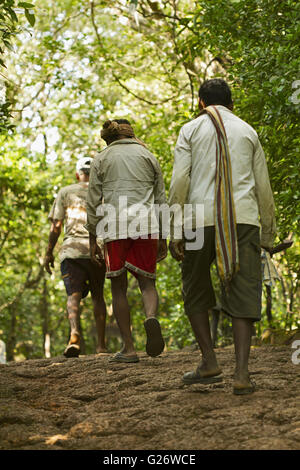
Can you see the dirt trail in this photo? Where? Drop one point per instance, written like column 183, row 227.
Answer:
column 86, row 403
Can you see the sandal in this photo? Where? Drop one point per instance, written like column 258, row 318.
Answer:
column 120, row 357
column 245, row 390
column 73, row 348
column 195, row 377
column 155, row 342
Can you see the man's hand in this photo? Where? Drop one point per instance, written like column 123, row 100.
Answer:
column 49, row 261
column 177, row 250
column 95, row 252
column 162, row 250
column 287, row 243
column 55, row 231
column 267, row 248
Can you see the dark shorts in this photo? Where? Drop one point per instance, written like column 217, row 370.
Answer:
column 81, row 275
column 243, row 299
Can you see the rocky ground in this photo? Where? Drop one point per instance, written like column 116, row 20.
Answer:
column 87, row 403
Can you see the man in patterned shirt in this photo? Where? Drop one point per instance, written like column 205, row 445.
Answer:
column 80, row 275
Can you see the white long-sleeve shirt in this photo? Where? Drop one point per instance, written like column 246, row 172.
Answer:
column 193, row 180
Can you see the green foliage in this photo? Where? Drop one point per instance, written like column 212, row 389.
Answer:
column 259, row 40
column 85, row 62
column 9, row 30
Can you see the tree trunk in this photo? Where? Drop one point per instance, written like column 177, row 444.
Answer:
column 44, row 312
column 11, row 340
column 47, row 345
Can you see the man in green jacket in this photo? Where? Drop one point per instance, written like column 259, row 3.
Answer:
column 125, row 184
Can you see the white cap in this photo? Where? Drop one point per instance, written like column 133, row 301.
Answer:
column 83, row 163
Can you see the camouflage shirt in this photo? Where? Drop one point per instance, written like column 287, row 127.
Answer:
column 70, row 206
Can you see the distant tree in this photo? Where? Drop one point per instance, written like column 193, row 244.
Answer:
column 9, row 28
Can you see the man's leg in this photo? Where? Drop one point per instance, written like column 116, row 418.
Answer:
column 199, row 297
column 155, row 342
column 215, row 318
column 201, row 328
column 149, row 294
column 243, row 302
column 73, row 303
column 242, row 331
column 97, row 279
column 100, row 319
column 122, row 312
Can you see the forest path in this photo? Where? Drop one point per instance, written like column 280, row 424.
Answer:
column 87, row 403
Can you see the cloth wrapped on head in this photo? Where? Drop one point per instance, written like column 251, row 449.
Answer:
column 113, row 130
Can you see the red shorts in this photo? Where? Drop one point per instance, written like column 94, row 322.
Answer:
column 137, row 256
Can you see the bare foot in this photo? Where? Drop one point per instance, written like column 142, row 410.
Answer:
column 101, row 350
column 129, row 353
column 242, row 384
column 242, row 379
column 209, row 366
column 208, row 371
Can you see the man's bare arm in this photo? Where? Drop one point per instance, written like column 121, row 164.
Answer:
column 54, row 234
column 95, row 251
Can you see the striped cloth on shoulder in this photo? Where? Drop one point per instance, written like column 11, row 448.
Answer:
column 227, row 256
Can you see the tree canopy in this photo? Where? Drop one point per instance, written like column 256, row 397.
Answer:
column 68, row 65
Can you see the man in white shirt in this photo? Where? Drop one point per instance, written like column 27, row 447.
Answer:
column 219, row 164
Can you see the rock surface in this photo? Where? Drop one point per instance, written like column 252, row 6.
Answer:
column 87, row 403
